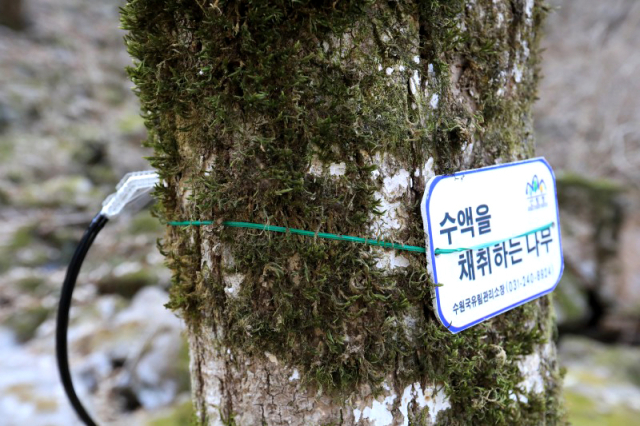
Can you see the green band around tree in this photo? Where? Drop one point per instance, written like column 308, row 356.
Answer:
column 396, row 246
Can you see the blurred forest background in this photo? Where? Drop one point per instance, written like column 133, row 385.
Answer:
column 70, row 128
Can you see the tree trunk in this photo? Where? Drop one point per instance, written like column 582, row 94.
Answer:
column 331, row 116
column 12, row 14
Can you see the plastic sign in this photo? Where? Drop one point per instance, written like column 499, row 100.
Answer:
column 493, row 240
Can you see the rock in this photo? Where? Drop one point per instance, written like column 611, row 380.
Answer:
column 602, row 382
column 25, row 323
column 155, row 372
column 146, row 362
column 69, row 191
column 591, row 213
column 127, row 279
column 161, row 373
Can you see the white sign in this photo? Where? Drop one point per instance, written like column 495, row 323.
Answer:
column 493, row 240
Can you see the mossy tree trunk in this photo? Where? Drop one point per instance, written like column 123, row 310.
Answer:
column 330, row 116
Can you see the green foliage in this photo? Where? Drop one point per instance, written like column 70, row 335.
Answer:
column 241, row 98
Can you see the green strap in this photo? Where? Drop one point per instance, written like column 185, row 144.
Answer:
column 263, row 227
column 326, row 235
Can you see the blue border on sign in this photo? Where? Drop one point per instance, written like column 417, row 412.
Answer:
column 443, row 320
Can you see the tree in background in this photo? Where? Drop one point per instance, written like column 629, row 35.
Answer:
column 11, row 14
column 331, row 116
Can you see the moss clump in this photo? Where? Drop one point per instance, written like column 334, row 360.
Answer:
column 127, row 284
column 144, row 223
column 23, row 237
column 182, row 415
column 241, row 99
column 25, row 323
column 584, row 411
column 31, row 284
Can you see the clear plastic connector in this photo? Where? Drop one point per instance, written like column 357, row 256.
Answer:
column 134, row 189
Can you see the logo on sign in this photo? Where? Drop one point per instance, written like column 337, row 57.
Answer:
column 536, row 191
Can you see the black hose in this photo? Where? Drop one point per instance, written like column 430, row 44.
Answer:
column 62, row 355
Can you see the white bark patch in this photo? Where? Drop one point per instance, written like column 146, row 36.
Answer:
column 517, row 74
column 436, row 401
column 390, row 260
column 530, row 370
column 228, row 261
column 337, row 169
column 397, row 184
column 232, row 284
column 435, row 99
column 389, row 218
column 295, row 375
column 315, row 168
column 380, row 411
column 271, row 357
column 525, row 49
column 528, row 8
column 210, row 372
column 425, row 171
column 394, row 187
column 414, row 83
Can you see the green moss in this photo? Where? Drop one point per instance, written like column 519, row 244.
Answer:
column 182, row 367
column 23, row 237
column 183, row 414
column 598, row 197
column 240, row 99
column 145, row 223
column 584, row 411
column 31, row 284
column 130, row 124
column 128, row 284
column 25, row 323
column 599, row 186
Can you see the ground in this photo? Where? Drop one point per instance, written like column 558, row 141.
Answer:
column 69, row 128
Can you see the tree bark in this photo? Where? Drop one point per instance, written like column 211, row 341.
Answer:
column 330, row 117
column 12, row 14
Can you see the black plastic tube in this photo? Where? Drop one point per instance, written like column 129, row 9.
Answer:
column 62, row 324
